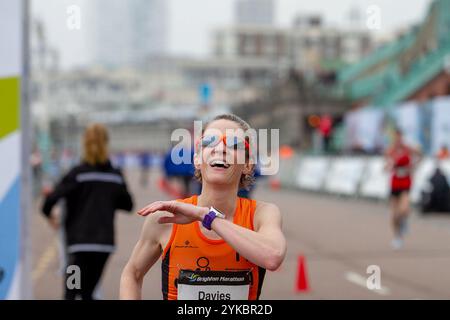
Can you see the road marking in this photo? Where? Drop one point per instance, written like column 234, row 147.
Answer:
column 44, row 261
column 361, row 281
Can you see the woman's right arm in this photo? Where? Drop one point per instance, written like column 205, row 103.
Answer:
column 66, row 186
column 145, row 254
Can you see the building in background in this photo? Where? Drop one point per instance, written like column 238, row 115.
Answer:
column 413, row 67
column 255, row 12
column 149, row 28
column 404, row 83
column 315, row 45
column 308, row 46
column 408, row 79
column 128, row 31
column 256, row 42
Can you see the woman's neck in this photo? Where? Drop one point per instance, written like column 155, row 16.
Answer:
column 221, row 198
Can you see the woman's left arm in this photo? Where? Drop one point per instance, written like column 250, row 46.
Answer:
column 266, row 246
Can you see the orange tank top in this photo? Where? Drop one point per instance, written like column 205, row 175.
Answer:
column 195, row 267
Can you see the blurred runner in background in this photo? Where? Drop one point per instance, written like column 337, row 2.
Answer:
column 145, row 161
column 36, row 167
column 436, row 194
column 120, row 160
column 400, row 161
column 326, row 130
column 92, row 191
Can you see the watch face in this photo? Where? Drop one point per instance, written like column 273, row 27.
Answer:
column 218, row 213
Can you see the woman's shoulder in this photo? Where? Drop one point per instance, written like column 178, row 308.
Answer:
column 266, row 206
column 258, row 205
column 266, row 212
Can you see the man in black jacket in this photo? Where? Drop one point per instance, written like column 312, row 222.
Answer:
column 437, row 199
column 92, row 191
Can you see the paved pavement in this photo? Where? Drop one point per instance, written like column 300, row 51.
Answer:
column 339, row 239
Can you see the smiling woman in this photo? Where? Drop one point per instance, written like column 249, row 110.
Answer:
column 236, row 140
column 214, row 236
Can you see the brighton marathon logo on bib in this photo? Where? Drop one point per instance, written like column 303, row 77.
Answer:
column 213, row 285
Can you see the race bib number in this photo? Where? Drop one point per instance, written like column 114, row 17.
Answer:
column 213, row 285
column 402, row 172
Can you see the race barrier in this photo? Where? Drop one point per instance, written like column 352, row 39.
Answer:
column 375, row 179
column 311, row 173
column 344, row 176
column 288, row 171
column 365, row 177
column 422, row 174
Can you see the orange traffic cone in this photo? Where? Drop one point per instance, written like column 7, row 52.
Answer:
column 302, row 277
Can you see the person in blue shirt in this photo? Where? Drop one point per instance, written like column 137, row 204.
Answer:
column 145, row 164
column 184, row 172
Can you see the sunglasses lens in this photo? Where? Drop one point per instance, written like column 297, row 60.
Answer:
column 209, row 141
column 236, row 143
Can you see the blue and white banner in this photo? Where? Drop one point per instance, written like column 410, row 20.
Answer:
column 11, row 37
column 440, row 126
column 364, row 129
column 407, row 119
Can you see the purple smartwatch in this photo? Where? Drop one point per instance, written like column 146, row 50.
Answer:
column 209, row 218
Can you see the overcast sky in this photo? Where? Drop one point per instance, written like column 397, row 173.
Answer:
column 192, row 21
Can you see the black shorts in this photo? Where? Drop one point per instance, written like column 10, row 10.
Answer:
column 397, row 193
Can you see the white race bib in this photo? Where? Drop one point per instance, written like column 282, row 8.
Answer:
column 402, row 172
column 213, row 285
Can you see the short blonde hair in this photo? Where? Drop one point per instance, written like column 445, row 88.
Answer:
column 95, row 144
column 247, row 180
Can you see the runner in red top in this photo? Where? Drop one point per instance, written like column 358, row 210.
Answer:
column 400, row 161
